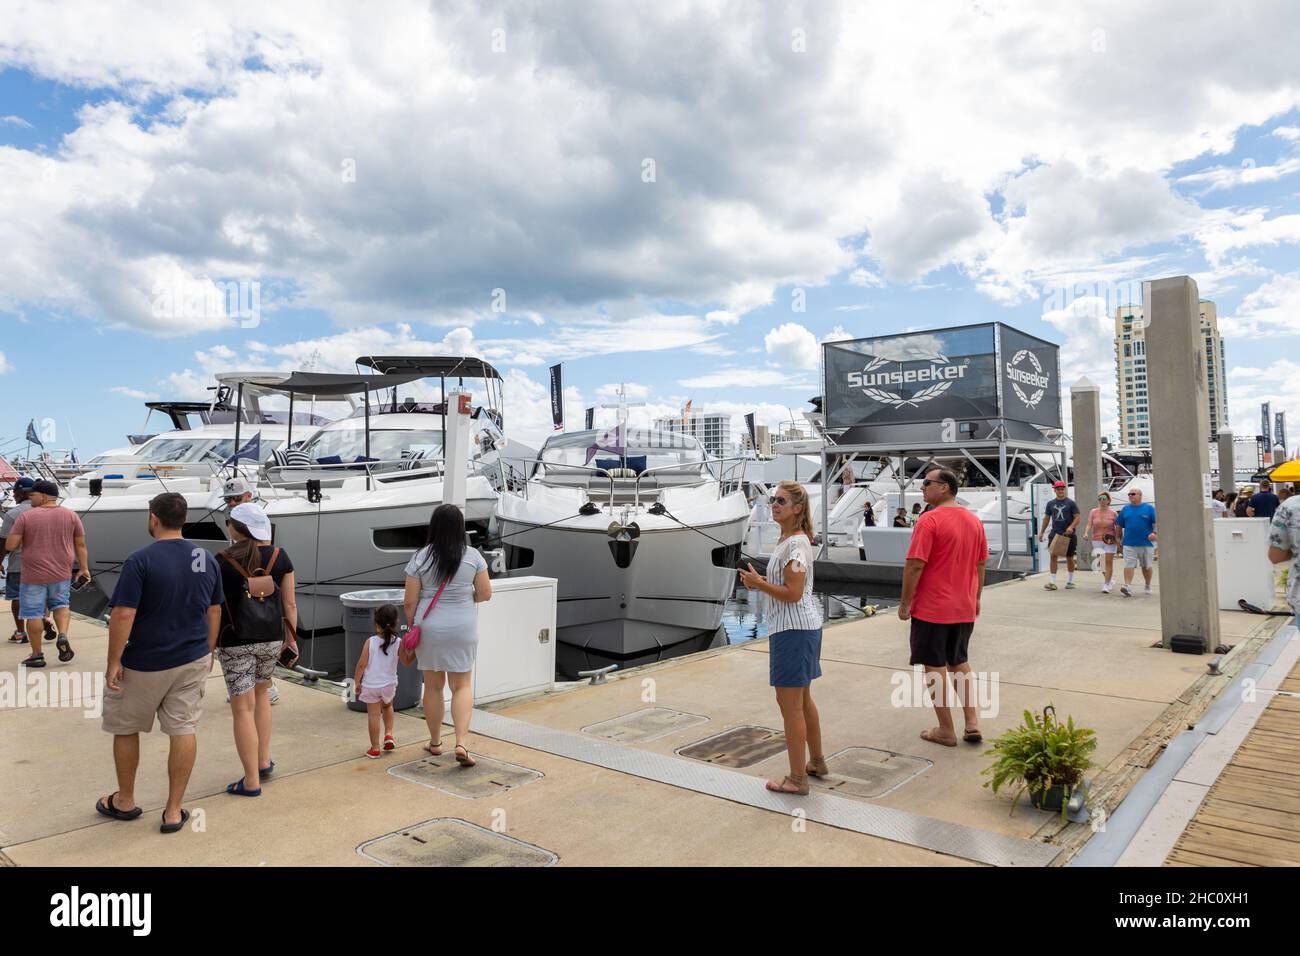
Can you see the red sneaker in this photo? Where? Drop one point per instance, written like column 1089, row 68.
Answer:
column 372, row 753
column 389, row 743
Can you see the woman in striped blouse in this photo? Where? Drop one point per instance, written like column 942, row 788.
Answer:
column 794, row 625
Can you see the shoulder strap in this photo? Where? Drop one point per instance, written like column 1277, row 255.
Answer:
column 434, row 602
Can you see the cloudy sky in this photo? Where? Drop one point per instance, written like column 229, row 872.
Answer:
column 686, row 197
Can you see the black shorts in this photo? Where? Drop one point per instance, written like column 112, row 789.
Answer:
column 1072, row 550
column 940, row 645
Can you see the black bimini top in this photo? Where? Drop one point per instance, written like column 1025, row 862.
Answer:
column 431, row 366
column 328, row 384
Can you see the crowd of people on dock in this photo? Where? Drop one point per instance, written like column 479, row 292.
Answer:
column 178, row 609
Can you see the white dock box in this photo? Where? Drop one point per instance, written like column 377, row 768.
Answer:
column 516, row 639
column 1241, row 559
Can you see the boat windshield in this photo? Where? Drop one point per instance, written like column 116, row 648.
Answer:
column 386, row 444
column 174, row 449
column 642, row 449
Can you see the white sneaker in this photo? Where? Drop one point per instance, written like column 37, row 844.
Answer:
column 273, row 695
column 1105, row 588
column 1146, row 591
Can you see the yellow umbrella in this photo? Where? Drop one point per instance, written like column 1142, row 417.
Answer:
column 1287, row 471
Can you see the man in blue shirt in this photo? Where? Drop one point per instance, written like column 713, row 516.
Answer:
column 1139, row 523
column 166, row 615
column 1062, row 516
column 1263, row 503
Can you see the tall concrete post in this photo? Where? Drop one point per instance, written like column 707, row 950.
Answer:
column 1180, row 460
column 1085, row 425
column 1227, row 465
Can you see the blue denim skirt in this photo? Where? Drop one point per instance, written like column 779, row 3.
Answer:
column 794, row 657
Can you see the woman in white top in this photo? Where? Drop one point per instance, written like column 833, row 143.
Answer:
column 794, row 624
column 449, row 635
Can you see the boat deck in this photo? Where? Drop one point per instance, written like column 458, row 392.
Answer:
column 662, row 765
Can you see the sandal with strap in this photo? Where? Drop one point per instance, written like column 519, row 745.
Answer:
column 173, row 827
column 434, row 748
column 239, row 790
column 105, row 806
column 467, row 760
column 817, row 767
column 791, row 785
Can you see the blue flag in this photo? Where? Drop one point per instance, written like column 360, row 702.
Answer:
column 252, row 450
column 32, row 437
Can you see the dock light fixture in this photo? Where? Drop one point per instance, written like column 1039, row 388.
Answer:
column 967, row 428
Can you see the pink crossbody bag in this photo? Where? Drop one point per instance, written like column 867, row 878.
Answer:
column 411, row 639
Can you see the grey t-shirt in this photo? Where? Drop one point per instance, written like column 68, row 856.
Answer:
column 460, row 589
column 7, row 527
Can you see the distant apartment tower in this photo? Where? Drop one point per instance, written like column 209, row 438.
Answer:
column 1131, row 374
column 713, row 429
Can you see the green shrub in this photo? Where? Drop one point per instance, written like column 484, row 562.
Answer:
column 1039, row 754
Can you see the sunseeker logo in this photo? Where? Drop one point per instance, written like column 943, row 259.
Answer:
column 75, row 909
column 936, row 370
column 1019, row 374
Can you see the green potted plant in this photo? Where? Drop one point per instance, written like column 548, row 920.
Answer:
column 1043, row 756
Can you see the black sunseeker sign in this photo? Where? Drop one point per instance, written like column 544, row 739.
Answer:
column 972, row 373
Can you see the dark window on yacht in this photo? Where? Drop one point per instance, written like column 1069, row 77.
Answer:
column 727, row 556
column 203, row 531
column 396, row 539
column 517, row 557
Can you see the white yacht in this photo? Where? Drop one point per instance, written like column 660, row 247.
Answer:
column 642, row 529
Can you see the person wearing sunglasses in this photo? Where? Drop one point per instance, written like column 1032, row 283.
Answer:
column 794, row 624
column 1100, row 530
column 942, row 582
column 1138, row 520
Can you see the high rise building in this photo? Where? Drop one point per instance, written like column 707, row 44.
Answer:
column 713, row 429
column 1131, row 374
column 764, row 437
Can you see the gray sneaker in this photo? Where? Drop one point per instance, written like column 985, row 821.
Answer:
column 1125, row 590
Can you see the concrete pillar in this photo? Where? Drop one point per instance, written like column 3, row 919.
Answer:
column 1180, row 460
column 1227, row 464
column 1085, row 426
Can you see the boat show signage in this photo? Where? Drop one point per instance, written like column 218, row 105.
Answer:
column 971, row 373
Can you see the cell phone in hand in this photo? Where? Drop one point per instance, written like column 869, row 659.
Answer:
column 79, row 582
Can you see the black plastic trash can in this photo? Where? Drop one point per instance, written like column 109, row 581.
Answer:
column 358, row 626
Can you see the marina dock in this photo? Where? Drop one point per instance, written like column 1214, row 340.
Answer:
column 660, row 765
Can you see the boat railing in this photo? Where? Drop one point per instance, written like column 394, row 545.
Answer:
column 643, row 486
column 384, row 470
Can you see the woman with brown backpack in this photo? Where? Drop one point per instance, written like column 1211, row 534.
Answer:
column 258, row 623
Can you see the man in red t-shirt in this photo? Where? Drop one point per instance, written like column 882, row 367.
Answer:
column 49, row 536
column 941, row 597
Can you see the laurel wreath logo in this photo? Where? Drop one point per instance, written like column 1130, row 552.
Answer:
column 1030, row 401
column 892, row 398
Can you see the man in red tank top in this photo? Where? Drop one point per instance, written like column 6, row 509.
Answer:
column 942, row 582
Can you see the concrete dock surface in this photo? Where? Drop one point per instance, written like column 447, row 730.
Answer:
column 1089, row 654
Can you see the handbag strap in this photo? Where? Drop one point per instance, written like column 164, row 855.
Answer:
column 434, row 602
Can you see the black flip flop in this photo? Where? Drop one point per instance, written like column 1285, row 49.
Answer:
column 34, row 660
column 173, row 827
column 107, row 809
column 973, row 737
column 66, row 652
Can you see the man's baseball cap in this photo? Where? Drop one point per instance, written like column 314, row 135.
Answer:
column 234, row 488
column 1058, row 484
column 46, row 487
column 24, row 484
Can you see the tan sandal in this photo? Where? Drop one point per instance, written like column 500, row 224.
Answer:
column 434, row 748
column 817, row 767
column 799, row 785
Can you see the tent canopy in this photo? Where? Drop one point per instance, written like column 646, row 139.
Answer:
column 1287, row 471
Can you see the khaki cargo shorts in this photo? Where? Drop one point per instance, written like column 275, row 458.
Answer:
column 174, row 696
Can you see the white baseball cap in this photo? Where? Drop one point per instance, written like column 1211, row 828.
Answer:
column 254, row 519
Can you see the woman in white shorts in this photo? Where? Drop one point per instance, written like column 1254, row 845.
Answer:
column 1100, row 530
